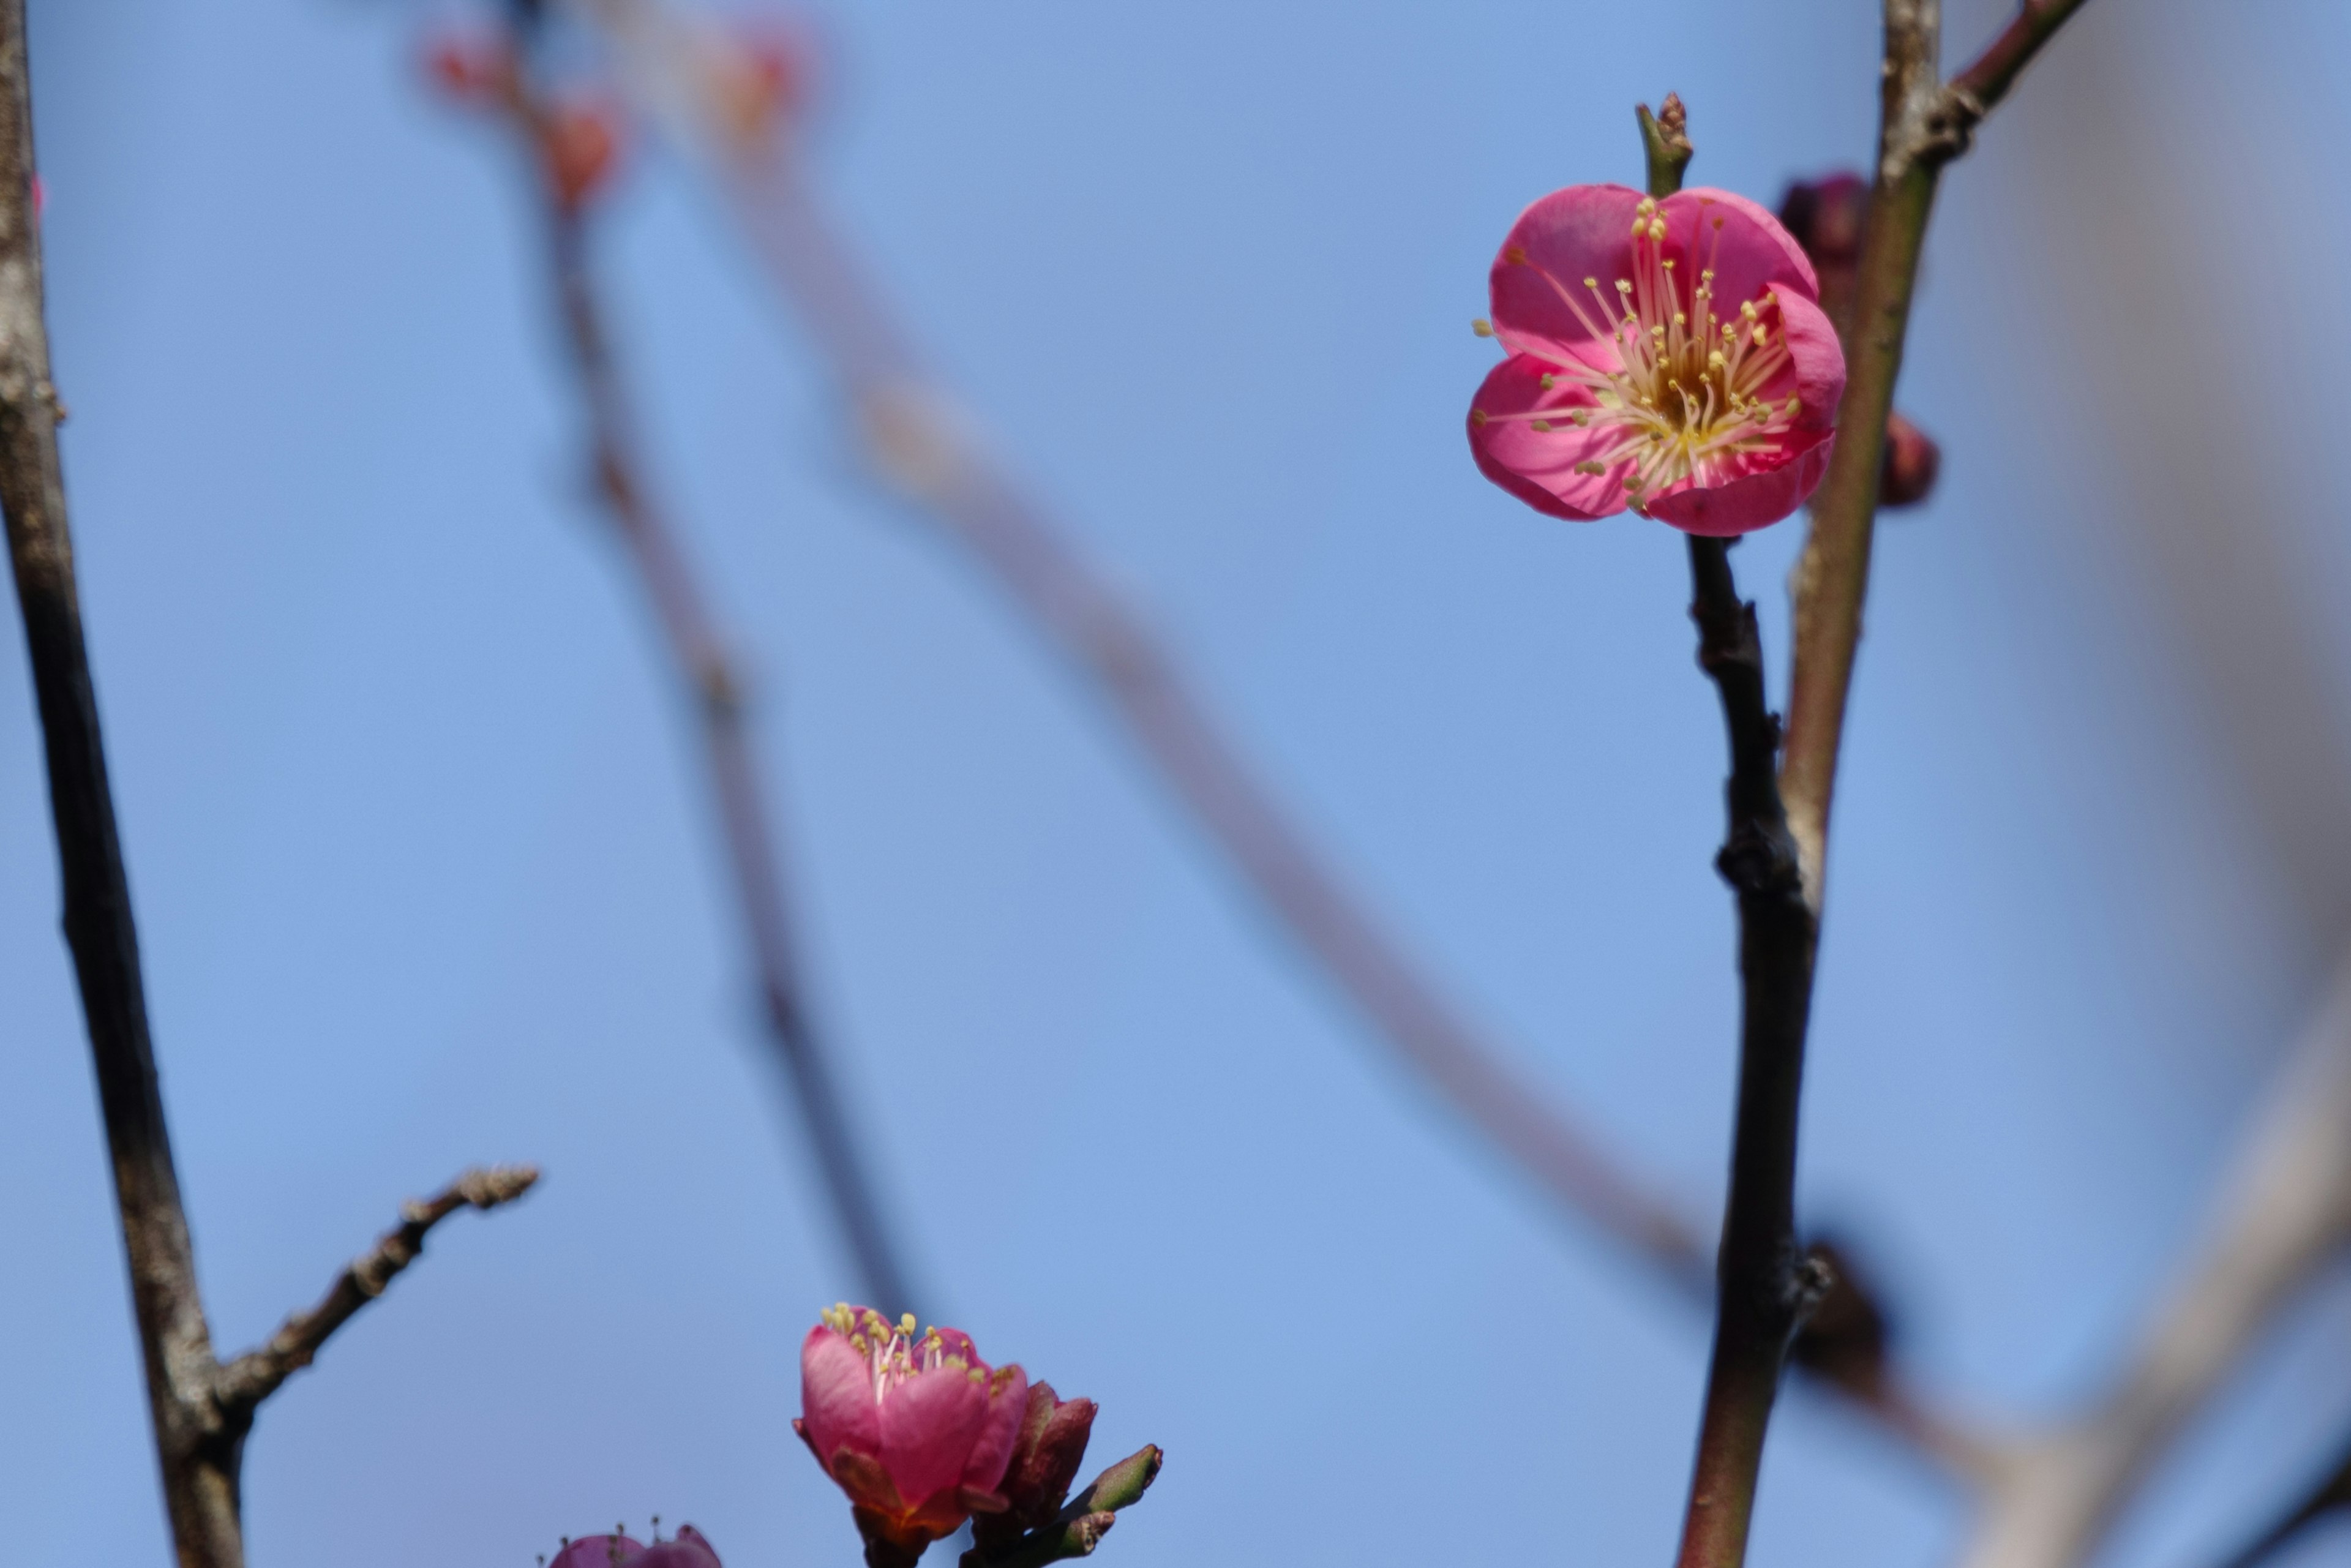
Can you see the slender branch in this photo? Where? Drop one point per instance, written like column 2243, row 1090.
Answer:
column 1083, row 1520
column 2286, row 1212
column 1922, row 126
column 254, row 1377
column 199, row 1470
column 699, row 651
column 2331, row 1495
column 1765, row 1286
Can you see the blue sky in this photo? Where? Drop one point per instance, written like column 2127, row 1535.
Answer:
column 424, row 878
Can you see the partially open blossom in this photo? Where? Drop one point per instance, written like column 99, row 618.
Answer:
column 1667, row 356
column 916, row 1428
column 580, row 141
column 688, row 1550
column 1046, row 1455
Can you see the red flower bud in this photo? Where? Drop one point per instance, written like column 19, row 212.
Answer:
column 687, row 1550
column 1045, row 1460
column 471, row 68
column 1827, row 217
column 580, row 143
column 1912, row 461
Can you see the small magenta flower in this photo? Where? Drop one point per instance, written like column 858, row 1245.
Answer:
column 915, row 1428
column 687, row 1550
column 1667, row 356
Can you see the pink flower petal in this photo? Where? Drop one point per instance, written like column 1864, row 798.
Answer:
column 1749, row 253
column 1818, row 357
column 929, row 1424
column 597, row 1552
column 837, row 1397
column 687, row 1551
column 1007, row 1402
column 1744, row 504
column 1538, row 466
column 1569, row 236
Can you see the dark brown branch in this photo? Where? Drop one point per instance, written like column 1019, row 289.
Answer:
column 2331, row 1495
column 254, row 1377
column 1765, row 1286
column 199, row 1469
column 1922, row 127
column 699, row 651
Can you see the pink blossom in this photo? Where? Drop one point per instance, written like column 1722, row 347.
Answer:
column 688, row 1550
column 915, row 1428
column 1667, row 356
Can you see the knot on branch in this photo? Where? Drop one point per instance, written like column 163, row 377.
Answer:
column 1758, row 858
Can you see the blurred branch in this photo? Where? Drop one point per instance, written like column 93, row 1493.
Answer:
column 699, row 651
column 2285, row 1212
column 929, row 455
column 2331, row 1495
column 254, row 1377
column 1922, row 125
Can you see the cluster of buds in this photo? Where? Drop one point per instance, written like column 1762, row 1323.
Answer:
column 1828, row 217
column 577, row 136
column 922, row 1434
column 619, row 1550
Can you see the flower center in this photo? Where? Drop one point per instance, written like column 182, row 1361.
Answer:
column 893, row 1352
column 1685, row 400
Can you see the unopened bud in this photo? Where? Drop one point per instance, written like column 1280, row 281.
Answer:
column 1045, row 1459
column 582, row 143
column 1827, row 216
column 471, row 67
column 1912, row 461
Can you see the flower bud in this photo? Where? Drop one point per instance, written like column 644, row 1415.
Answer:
column 471, row 67
column 1912, row 461
column 915, row 1428
column 1045, row 1460
column 580, row 143
column 760, row 77
column 1827, row 217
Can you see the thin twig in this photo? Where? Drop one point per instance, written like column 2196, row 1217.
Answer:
column 699, row 651
column 1765, row 1286
column 1922, row 125
column 254, row 1377
column 924, row 449
column 2286, row 1212
column 2331, row 1495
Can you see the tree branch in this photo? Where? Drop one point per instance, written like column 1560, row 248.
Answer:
column 699, row 651
column 254, row 1377
column 1765, row 1286
column 2331, row 1495
column 199, row 1478
column 2285, row 1212
column 1922, row 126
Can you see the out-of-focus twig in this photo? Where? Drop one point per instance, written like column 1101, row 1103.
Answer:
column 2332, row 1495
column 930, row 456
column 700, row 654
column 2286, row 1211
column 1924, row 124
column 201, row 1410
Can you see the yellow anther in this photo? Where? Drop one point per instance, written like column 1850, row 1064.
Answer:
column 906, row 1326
column 1477, row 417
column 1591, row 283
column 1680, row 320
column 1748, row 311
column 1542, row 427
column 1516, row 256
column 1588, row 466
column 1579, row 418
column 1667, row 264
column 1715, row 362
column 1624, row 285
column 1759, row 336
column 1707, row 274
column 1549, row 380
column 1646, row 206
column 1483, row 328
column 1793, row 404
column 1657, row 228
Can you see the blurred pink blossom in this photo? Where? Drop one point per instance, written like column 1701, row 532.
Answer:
column 1667, row 356
column 687, row 1550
